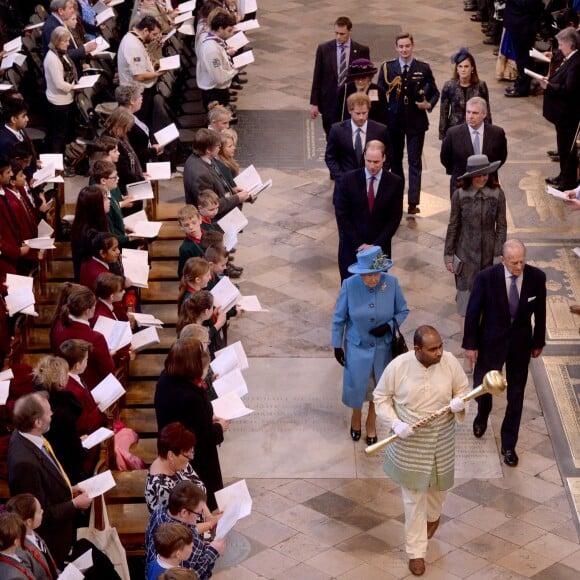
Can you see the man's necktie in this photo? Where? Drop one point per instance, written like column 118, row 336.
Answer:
column 405, row 70
column 371, row 194
column 50, row 454
column 513, row 297
column 342, row 65
column 358, row 150
column 476, row 144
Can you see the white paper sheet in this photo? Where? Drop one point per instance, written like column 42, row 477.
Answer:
column 14, row 45
column 115, row 2
column 14, row 58
column 5, row 86
column 43, row 174
column 102, row 45
column 228, row 520
column 534, row 75
column 186, row 6
column 117, row 333
column 84, row 561
column 232, row 382
column 248, row 25
column 143, row 319
column 55, row 159
column 15, row 283
column 168, row 35
column 236, row 493
column 169, row 62
column 45, row 230
column 557, row 193
column 240, row 353
column 159, row 170
column 229, row 407
column 577, row 251
column 250, row 6
column 230, row 240
column 140, row 226
column 33, row 26
column 537, row 55
column 140, row 190
column 183, row 17
column 250, row 180
column 6, row 375
column 40, row 243
column 166, row 135
column 71, row 572
column 107, row 392
column 243, row 59
column 225, row 294
column 105, row 15
column 86, row 82
column 234, row 220
column 144, row 338
column 96, row 437
column 98, row 484
column 238, row 40
column 4, row 391
column 250, row 304
column 136, row 266
column 187, row 28
column 19, row 300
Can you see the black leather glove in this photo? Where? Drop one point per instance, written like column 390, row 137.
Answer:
column 380, row 330
column 339, row 356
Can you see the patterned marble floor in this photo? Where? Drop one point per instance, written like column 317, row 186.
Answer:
column 519, row 526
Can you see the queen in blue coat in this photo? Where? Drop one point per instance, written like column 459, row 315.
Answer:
column 362, row 331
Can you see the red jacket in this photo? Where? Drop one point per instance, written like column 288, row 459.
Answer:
column 90, row 270
column 92, row 417
column 100, row 360
column 11, row 231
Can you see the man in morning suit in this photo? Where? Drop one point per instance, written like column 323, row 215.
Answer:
column 331, row 68
column 33, row 468
column 498, row 329
column 562, row 105
column 347, row 139
column 412, row 93
column 474, row 137
column 369, row 205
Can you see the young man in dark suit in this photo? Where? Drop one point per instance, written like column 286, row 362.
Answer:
column 498, row 330
column 331, row 68
column 461, row 141
column 562, row 106
column 347, row 139
column 412, row 93
column 369, row 205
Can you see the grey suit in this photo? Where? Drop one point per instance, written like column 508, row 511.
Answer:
column 457, row 147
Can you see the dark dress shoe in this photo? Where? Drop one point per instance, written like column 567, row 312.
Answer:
column 413, row 209
column 551, row 153
column 355, row 435
column 491, row 41
column 372, row 440
column 495, row 53
column 553, row 180
column 417, row 566
column 510, row 457
column 514, row 94
column 479, row 427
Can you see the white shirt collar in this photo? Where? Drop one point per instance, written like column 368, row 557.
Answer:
column 109, row 306
column 81, row 320
column 101, row 262
column 354, row 127
column 17, row 133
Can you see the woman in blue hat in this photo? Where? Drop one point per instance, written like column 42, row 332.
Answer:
column 362, row 331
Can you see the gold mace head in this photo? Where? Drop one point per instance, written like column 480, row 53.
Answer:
column 494, row 383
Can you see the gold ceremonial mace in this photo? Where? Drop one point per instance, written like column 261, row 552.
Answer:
column 493, row 383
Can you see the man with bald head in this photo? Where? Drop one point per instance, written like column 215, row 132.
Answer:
column 369, row 206
column 414, row 385
column 498, row 330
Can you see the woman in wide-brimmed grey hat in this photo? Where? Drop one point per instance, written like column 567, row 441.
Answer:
column 477, row 226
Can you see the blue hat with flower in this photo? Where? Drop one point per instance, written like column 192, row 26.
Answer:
column 370, row 261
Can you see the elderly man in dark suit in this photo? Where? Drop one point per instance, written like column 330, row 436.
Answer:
column 474, row 137
column 33, row 468
column 498, row 330
column 369, row 206
column 347, row 139
column 562, row 106
column 331, row 68
column 412, row 93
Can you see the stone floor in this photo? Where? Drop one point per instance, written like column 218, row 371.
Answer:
column 517, row 526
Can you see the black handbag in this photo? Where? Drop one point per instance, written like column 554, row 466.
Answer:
column 398, row 343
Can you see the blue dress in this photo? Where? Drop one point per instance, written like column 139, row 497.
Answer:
column 358, row 310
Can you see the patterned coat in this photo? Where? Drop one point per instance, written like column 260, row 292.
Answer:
column 453, row 101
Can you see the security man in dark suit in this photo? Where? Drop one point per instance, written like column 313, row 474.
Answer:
column 562, row 105
column 347, row 139
column 498, row 330
column 412, row 92
column 331, row 69
column 474, row 137
column 368, row 206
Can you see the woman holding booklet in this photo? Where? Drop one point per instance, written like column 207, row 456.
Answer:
column 182, row 395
